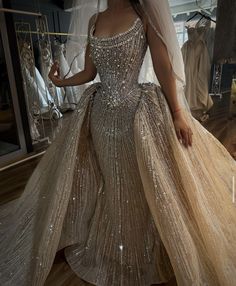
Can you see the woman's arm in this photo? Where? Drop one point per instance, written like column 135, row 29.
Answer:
column 87, row 75
column 163, row 69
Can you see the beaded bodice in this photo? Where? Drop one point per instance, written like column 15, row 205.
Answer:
column 118, row 59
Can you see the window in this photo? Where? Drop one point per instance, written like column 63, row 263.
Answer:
column 181, row 31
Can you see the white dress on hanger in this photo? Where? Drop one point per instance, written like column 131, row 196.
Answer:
column 209, row 37
column 38, row 96
column 72, row 94
column 45, row 66
column 197, row 69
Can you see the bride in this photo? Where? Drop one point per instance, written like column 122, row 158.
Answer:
column 134, row 189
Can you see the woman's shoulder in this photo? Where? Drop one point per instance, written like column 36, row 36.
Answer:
column 144, row 20
column 92, row 19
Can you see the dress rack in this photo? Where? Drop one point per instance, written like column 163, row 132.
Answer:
column 5, row 10
column 43, row 33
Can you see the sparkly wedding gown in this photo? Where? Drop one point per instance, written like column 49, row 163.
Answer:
column 116, row 189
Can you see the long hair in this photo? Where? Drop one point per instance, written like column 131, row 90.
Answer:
column 137, row 7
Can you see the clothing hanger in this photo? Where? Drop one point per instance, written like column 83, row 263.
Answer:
column 203, row 13
column 204, row 9
column 202, row 16
column 203, row 22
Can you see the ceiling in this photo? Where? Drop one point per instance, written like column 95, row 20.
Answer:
column 187, row 6
column 180, row 2
column 177, row 6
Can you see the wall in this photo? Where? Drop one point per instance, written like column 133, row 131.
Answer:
column 58, row 19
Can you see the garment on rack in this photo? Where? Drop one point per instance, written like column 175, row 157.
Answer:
column 72, row 94
column 197, row 69
column 38, row 98
column 38, row 94
column 209, row 37
column 34, row 132
column 45, row 66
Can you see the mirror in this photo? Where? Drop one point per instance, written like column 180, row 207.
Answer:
column 9, row 141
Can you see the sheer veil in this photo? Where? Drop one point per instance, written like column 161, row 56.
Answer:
column 159, row 16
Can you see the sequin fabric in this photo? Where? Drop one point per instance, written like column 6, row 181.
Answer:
column 130, row 205
column 121, row 243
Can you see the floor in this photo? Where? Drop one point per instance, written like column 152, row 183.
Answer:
column 222, row 122
column 224, row 130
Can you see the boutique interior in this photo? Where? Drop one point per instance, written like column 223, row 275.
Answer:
column 34, row 33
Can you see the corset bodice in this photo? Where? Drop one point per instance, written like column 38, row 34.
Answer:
column 196, row 34
column 118, row 59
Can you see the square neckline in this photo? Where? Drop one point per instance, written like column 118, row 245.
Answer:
column 104, row 38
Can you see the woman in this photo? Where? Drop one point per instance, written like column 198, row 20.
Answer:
column 128, row 203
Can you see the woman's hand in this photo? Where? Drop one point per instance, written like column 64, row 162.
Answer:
column 183, row 131
column 54, row 75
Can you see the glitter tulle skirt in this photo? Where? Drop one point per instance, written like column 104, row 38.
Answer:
column 126, row 201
